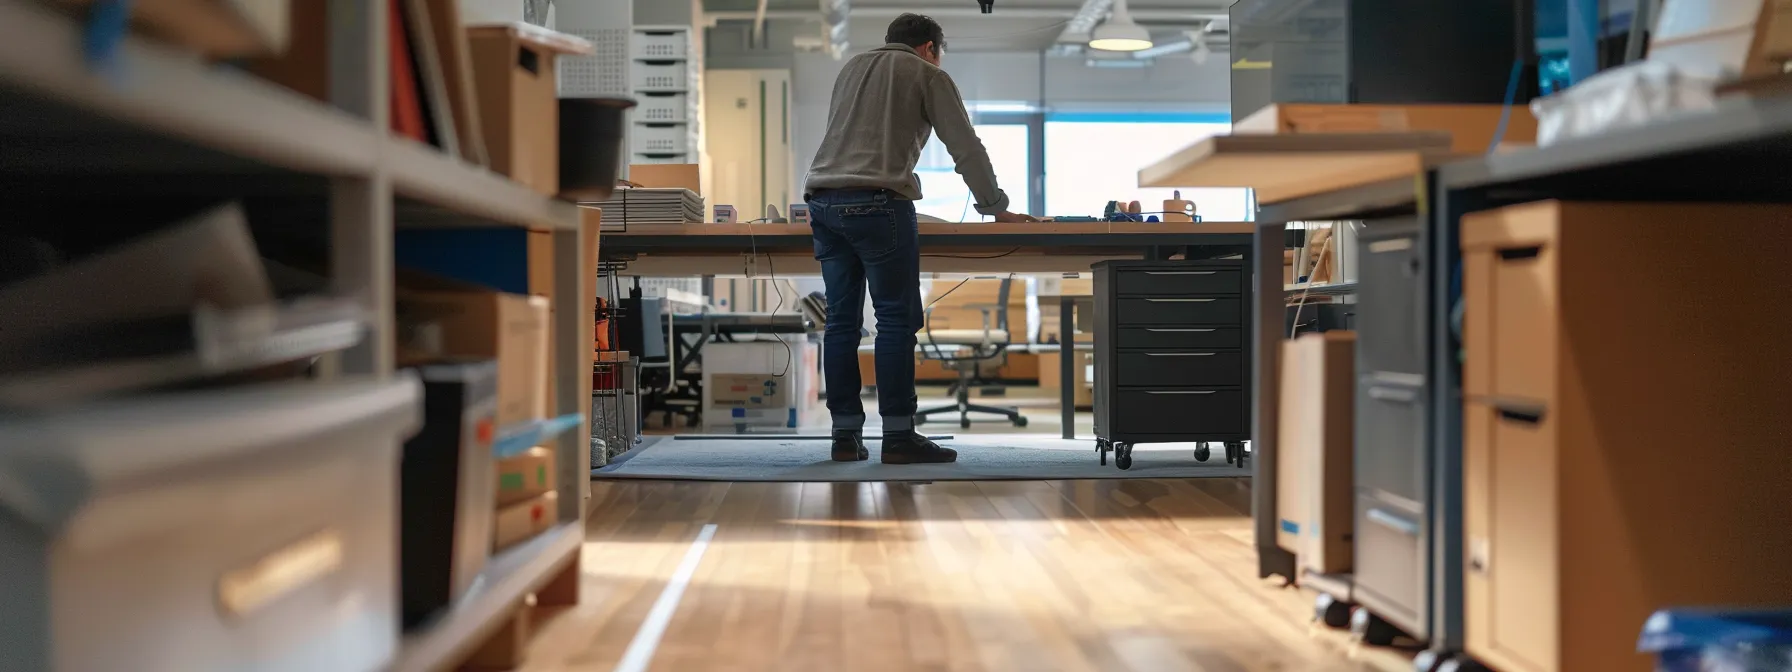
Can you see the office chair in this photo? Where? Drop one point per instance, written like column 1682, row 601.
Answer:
column 963, row 350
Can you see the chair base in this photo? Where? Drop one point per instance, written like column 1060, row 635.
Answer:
column 964, row 409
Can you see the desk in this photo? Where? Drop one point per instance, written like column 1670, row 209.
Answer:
column 766, row 249
column 1731, row 154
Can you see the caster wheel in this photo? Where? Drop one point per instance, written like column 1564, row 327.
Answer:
column 1101, row 449
column 1203, row 452
column 1123, row 456
column 964, row 424
column 1236, row 450
column 1371, row 629
column 1460, row 662
column 1020, row 421
column 1331, row 611
column 1429, row 661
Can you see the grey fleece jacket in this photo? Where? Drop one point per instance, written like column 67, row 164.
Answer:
column 885, row 103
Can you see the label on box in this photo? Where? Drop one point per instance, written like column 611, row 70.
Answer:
column 524, row 475
column 747, row 390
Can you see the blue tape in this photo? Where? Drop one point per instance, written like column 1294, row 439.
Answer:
column 107, row 25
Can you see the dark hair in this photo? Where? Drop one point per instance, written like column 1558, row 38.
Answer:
column 915, row 30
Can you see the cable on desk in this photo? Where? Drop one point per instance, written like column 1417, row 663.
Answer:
column 954, row 256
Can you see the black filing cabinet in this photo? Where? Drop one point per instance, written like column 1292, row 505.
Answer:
column 1392, row 463
column 1172, row 356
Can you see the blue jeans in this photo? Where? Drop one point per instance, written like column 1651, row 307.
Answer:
column 866, row 238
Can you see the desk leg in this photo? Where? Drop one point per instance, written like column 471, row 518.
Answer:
column 1268, row 313
column 1067, row 363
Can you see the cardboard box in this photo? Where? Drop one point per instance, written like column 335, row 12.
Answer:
column 519, row 108
column 519, row 522
column 1471, row 127
column 667, row 176
column 1314, row 477
column 1745, row 37
column 470, row 322
column 525, row 475
column 1051, row 379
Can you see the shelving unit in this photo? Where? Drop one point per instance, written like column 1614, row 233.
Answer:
column 665, row 76
column 154, row 121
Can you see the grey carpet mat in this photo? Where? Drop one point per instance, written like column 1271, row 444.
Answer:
column 988, row 457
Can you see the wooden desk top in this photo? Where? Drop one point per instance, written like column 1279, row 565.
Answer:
column 1283, row 167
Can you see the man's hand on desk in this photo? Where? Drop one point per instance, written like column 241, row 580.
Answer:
column 1006, row 217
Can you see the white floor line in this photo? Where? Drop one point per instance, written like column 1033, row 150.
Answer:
column 647, row 639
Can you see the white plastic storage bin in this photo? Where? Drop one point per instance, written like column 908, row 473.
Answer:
column 662, row 108
column 247, row 529
column 662, row 43
column 663, row 139
column 675, row 76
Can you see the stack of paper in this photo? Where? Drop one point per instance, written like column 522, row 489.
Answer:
column 643, row 205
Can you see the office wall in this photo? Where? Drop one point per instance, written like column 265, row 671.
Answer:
column 1065, row 85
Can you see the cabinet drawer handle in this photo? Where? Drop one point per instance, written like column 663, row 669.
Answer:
column 1393, row 522
column 1520, row 412
column 1180, row 300
column 1180, row 272
column 1180, row 354
column 1521, row 253
column 1179, row 392
column 1391, row 394
column 1179, row 331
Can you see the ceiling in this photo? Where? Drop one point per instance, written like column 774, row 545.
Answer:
column 1015, row 25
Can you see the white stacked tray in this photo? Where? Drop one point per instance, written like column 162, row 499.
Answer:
column 643, row 205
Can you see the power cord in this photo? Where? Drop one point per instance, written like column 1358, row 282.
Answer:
column 927, row 324
column 955, row 256
column 1308, row 286
column 772, row 270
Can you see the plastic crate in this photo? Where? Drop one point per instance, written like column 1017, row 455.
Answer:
column 670, row 77
column 660, row 108
column 244, row 528
column 662, row 139
column 662, row 44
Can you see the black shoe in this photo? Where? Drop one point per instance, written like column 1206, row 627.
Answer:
column 912, row 448
column 850, row 447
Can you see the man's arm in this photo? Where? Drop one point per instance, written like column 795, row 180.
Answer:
column 945, row 110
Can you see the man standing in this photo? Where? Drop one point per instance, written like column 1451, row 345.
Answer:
column 861, row 192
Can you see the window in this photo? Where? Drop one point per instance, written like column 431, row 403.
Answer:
column 943, row 193
column 1093, row 159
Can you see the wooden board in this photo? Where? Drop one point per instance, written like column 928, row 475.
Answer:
column 943, row 229
column 1283, row 167
column 1471, row 127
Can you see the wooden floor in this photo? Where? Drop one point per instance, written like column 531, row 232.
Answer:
column 1112, row 575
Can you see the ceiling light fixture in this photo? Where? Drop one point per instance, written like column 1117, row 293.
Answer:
column 1119, row 33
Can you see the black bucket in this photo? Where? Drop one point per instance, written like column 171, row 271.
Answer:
column 591, row 136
